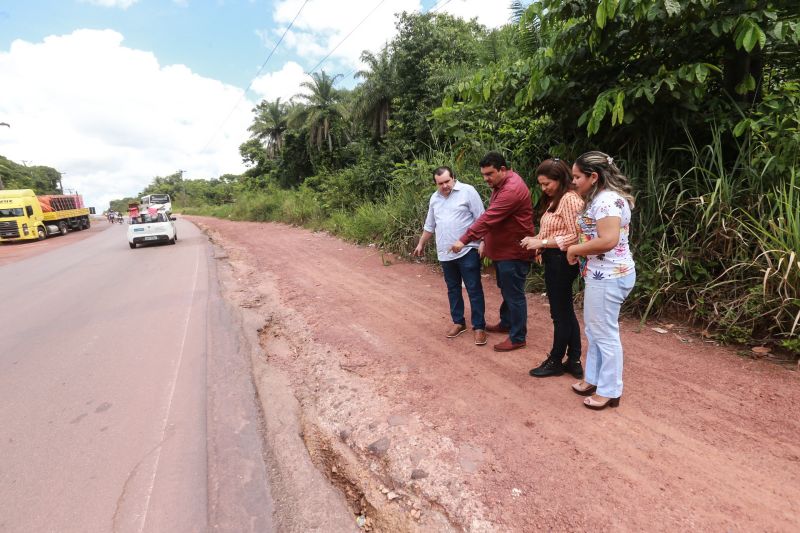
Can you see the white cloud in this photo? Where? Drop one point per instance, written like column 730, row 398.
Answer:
column 491, row 16
column 112, row 117
column 282, row 84
column 124, row 4
column 323, row 24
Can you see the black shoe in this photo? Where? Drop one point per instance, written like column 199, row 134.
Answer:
column 550, row 367
column 573, row 366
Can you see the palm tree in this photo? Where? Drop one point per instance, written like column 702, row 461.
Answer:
column 270, row 124
column 376, row 92
column 321, row 109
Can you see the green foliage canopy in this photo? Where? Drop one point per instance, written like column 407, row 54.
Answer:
column 42, row 179
column 615, row 67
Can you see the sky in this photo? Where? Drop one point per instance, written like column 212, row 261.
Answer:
column 115, row 92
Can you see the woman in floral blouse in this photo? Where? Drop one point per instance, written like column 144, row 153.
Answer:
column 608, row 271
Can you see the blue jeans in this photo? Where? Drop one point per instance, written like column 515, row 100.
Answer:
column 511, row 276
column 468, row 269
column 601, row 302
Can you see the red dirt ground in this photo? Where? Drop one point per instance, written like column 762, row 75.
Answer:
column 704, row 439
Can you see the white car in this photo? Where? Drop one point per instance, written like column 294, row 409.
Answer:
column 147, row 228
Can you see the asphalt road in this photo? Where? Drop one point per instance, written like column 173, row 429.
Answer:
column 126, row 403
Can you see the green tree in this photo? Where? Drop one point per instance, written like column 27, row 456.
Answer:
column 374, row 95
column 616, row 67
column 321, row 111
column 294, row 164
column 270, row 124
column 121, row 205
column 42, row 179
column 253, row 153
column 425, row 47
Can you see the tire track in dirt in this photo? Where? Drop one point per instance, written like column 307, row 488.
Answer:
column 703, row 439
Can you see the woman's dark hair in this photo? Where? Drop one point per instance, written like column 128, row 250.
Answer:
column 609, row 176
column 556, row 170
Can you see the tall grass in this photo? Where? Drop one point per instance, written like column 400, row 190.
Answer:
column 778, row 239
column 219, row 211
column 298, row 207
column 716, row 239
column 718, row 242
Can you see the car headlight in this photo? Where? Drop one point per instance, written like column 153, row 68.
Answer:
column 25, row 229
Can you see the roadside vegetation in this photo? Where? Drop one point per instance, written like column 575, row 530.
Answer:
column 698, row 100
column 42, row 179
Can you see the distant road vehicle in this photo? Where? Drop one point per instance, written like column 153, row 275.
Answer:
column 25, row 216
column 152, row 228
column 159, row 202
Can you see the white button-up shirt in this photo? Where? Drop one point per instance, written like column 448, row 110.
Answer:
column 450, row 217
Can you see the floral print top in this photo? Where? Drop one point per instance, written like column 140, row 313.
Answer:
column 615, row 263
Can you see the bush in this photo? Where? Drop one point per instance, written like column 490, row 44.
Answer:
column 219, row 211
column 367, row 180
column 301, row 207
column 368, row 224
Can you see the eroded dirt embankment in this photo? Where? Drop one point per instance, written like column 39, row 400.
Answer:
column 424, row 433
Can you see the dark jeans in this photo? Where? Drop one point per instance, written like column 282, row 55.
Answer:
column 511, row 277
column 558, row 278
column 468, row 269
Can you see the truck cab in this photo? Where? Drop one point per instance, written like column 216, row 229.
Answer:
column 21, row 216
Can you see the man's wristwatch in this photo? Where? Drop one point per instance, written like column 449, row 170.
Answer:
column 544, row 243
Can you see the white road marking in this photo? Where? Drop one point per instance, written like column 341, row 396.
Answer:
column 171, row 394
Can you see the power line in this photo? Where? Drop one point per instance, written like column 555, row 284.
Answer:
column 346, row 37
column 264, row 64
column 437, row 6
column 431, row 10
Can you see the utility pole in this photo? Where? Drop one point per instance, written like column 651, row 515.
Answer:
column 25, row 164
column 183, row 185
column 2, row 185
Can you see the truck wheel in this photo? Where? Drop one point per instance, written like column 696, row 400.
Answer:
column 131, row 245
column 41, row 233
column 62, row 228
column 87, row 223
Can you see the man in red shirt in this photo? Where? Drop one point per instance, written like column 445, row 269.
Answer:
column 502, row 226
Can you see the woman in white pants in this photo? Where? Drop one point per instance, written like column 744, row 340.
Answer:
column 608, row 272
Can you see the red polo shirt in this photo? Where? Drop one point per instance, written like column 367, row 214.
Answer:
column 507, row 221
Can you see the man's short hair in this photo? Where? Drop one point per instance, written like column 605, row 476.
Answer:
column 441, row 170
column 493, row 159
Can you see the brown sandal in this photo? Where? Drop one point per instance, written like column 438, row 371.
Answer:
column 591, row 403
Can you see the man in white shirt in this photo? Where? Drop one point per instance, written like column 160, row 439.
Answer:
column 451, row 211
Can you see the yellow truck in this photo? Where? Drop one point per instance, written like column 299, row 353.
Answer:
column 25, row 216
